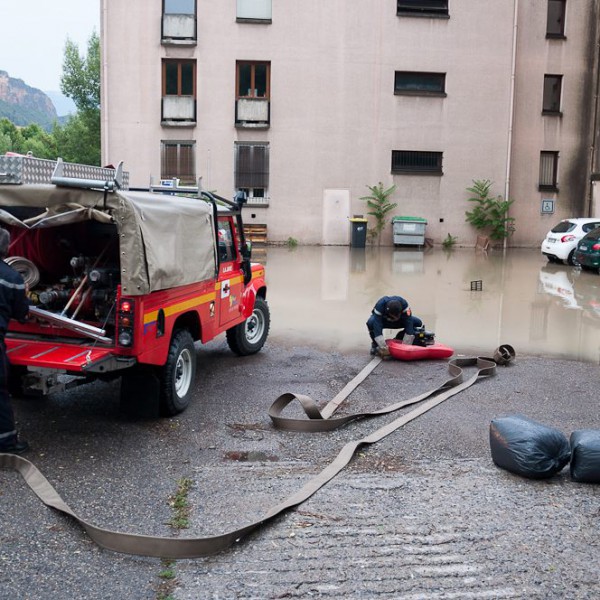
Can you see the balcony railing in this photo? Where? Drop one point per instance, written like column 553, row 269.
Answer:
column 179, row 29
column 252, row 112
column 178, row 110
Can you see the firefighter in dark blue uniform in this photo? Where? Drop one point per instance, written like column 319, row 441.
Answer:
column 13, row 305
column 391, row 312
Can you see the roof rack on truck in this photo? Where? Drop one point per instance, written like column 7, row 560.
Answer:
column 22, row 169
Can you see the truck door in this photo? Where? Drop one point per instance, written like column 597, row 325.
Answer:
column 230, row 281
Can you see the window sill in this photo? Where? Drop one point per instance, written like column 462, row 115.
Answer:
column 169, row 123
column 552, row 113
column 422, row 15
column 556, row 36
column 179, row 42
column 252, row 125
column 547, row 188
column 420, row 93
column 418, row 172
column 254, row 21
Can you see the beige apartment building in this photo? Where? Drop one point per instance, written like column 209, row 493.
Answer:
column 305, row 104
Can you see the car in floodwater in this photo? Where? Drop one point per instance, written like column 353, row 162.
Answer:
column 587, row 253
column 560, row 242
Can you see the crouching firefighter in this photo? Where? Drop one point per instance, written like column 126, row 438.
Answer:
column 393, row 312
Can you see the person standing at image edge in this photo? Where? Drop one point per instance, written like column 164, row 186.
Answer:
column 391, row 312
column 13, row 305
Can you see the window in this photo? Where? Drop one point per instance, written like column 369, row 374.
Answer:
column 427, row 8
column 253, row 79
column 225, row 236
column 548, row 170
column 555, row 26
column 552, row 89
column 177, row 160
column 415, row 82
column 254, row 10
column 252, row 169
column 179, row 78
column 179, row 7
column 179, row 22
column 411, row 161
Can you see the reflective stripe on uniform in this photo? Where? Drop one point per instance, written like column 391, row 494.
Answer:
column 14, row 286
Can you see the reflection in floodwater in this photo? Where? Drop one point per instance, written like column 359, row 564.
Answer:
column 322, row 296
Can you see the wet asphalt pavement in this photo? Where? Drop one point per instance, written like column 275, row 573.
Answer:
column 422, row 514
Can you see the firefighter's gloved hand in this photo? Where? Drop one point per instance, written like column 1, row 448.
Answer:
column 383, row 352
column 382, row 348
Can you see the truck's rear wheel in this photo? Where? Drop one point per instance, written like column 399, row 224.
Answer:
column 178, row 375
column 250, row 336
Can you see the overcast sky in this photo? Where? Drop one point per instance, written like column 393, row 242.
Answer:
column 33, row 35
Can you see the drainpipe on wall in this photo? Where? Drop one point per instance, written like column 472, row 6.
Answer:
column 595, row 133
column 103, row 85
column 511, row 109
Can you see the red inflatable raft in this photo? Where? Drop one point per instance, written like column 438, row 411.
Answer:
column 401, row 351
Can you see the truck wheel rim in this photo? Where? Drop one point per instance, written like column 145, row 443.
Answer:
column 183, row 373
column 254, row 327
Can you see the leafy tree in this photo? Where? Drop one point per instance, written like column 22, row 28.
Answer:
column 490, row 213
column 378, row 202
column 79, row 139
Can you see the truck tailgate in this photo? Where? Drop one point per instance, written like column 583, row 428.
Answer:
column 52, row 355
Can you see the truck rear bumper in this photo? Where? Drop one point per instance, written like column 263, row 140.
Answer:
column 76, row 358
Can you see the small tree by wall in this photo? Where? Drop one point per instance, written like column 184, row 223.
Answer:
column 490, row 214
column 380, row 205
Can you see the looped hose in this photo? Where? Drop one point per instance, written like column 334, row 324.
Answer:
column 196, row 547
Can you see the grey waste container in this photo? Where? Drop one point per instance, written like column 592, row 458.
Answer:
column 359, row 232
column 409, row 231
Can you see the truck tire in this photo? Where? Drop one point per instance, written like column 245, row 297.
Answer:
column 250, row 336
column 178, row 374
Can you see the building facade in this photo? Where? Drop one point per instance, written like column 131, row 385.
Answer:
column 305, row 104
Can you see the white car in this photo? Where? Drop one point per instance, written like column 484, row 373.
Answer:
column 560, row 242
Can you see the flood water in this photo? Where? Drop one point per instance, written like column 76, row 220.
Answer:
column 322, row 296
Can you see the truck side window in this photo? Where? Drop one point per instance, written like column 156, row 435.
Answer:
column 226, row 247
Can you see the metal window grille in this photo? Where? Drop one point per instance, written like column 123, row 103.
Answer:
column 251, row 166
column 415, row 161
column 178, row 161
column 548, row 169
column 433, row 7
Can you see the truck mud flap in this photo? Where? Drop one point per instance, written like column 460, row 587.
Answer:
column 50, row 355
column 177, row 548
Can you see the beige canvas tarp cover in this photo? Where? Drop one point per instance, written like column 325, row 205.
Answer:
column 165, row 241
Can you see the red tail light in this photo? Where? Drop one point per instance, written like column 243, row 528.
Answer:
column 567, row 238
column 596, row 247
column 126, row 322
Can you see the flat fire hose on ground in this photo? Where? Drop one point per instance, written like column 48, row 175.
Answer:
column 177, row 548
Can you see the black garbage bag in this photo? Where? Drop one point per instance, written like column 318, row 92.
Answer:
column 528, row 448
column 585, row 455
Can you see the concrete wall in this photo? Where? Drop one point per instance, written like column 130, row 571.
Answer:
column 334, row 117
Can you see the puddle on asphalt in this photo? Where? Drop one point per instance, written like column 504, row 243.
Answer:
column 473, row 301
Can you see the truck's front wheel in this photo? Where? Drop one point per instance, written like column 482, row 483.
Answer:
column 178, row 375
column 250, row 336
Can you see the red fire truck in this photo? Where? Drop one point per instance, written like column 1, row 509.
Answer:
column 123, row 282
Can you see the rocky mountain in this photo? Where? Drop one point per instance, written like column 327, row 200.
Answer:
column 23, row 104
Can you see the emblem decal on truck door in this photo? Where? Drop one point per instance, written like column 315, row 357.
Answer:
column 225, row 289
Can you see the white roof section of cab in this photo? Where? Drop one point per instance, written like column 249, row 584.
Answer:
column 165, row 241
